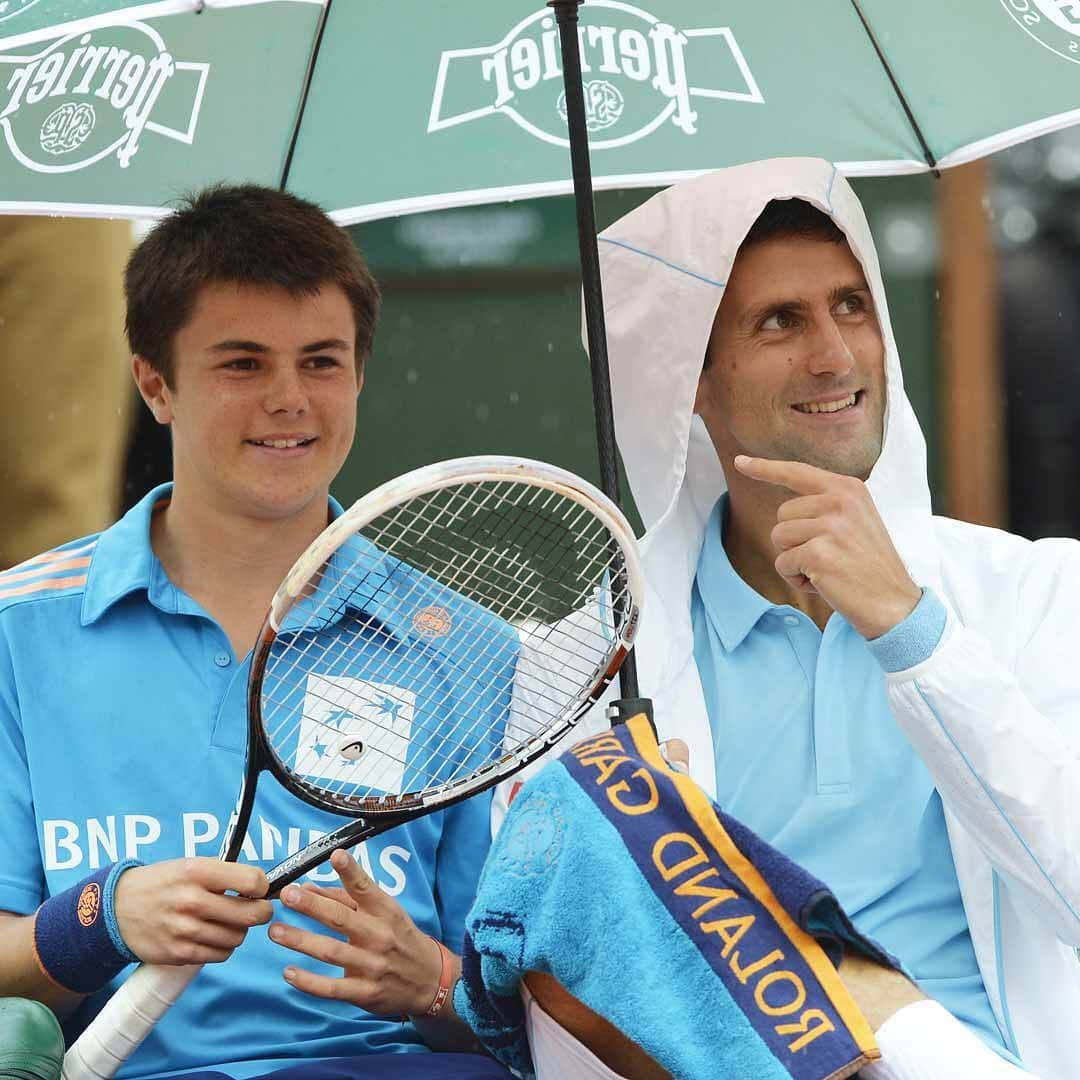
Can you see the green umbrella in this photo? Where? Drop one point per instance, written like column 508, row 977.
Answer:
column 111, row 107
column 375, row 108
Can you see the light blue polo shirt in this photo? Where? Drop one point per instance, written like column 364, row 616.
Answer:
column 122, row 735
column 809, row 756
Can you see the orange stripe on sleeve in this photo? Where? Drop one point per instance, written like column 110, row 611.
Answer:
column 50, row 568
column 49, row 585
column 51, row 557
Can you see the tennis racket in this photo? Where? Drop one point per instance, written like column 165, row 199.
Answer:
column 437, row 637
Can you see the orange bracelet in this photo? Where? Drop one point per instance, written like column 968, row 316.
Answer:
column 446, row 981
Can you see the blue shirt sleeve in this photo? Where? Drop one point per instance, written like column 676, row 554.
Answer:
column 22, row 880
column 914, row 639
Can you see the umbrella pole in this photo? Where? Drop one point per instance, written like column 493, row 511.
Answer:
column 566, row 14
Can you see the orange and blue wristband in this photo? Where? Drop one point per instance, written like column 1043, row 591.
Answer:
column 77, row 941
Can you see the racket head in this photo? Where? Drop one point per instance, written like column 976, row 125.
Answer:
column 443, row 632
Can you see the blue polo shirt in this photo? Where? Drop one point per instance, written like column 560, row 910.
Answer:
column 122, row 735
column 809, row 756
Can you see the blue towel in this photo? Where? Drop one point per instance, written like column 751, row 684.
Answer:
column 384, row 1067
column 708, row 948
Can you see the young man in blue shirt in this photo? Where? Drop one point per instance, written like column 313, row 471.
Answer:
column 123, row 671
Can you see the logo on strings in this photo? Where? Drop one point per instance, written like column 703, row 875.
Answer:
column 355, row 733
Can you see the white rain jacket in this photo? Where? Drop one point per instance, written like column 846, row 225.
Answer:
column 994, row 713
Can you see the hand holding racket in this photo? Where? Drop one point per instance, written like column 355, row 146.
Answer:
column 437, row 637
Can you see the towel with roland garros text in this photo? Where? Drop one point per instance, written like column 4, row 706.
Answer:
column 701, row 943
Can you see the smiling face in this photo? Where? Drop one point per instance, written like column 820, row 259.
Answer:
column 263, row 402
column 795, row 368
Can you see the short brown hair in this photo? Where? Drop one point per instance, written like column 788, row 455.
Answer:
column 793, row 218
column 243, row 234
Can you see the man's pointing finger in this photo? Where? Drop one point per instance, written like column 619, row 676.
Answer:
column 796, row 476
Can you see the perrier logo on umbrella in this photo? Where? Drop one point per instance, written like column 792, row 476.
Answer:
column 1052, row 23
column 639, row 74
column 90, row 95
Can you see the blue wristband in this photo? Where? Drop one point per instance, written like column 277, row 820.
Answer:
column 914, row 639
column 76, row 937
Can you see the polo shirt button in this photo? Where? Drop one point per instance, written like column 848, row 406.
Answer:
column 222, row 659
column 791, row 620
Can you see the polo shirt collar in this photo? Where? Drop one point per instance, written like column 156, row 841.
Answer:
column 123, row 562
column 731, row 605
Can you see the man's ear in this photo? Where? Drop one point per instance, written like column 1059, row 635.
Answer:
column 153, row 388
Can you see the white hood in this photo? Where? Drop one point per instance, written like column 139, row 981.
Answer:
column 664, row 268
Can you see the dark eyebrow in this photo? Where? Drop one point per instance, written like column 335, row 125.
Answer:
column 239, row 345
column 843, row 291
column 327, row 343
column 236, row 345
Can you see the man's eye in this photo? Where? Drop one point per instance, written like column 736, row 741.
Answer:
column 778, row 320
column 851, row 305
column 323, row 362
column 241, row 363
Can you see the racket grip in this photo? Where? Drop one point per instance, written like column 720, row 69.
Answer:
column 116, row 1032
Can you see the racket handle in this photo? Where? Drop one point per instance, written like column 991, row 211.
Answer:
column 116, row 1032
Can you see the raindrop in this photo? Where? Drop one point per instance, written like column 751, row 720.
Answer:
column 515, row 397
column 483, row 413
column 1063, row 162
column 904, row 237
column 412, row 376
column 550, row 421
column 551, row 346
column 1019, row 224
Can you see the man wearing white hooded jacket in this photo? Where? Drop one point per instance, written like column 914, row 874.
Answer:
column 889, row 697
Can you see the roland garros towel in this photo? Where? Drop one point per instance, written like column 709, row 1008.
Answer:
column 711, row 950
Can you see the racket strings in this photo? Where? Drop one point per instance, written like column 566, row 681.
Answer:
column 540, row 680
column 523, row 676
column 468, row 623
column 456, row 562
column 438, row 569
column 578, row 646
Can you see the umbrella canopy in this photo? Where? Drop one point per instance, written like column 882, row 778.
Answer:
column 115, row 108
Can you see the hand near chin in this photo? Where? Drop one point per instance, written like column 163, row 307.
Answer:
column 831, row 540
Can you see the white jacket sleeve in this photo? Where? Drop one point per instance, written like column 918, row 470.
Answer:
column 1000, row 737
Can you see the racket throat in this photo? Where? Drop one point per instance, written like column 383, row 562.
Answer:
column 236, row 830
column 312, row 856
